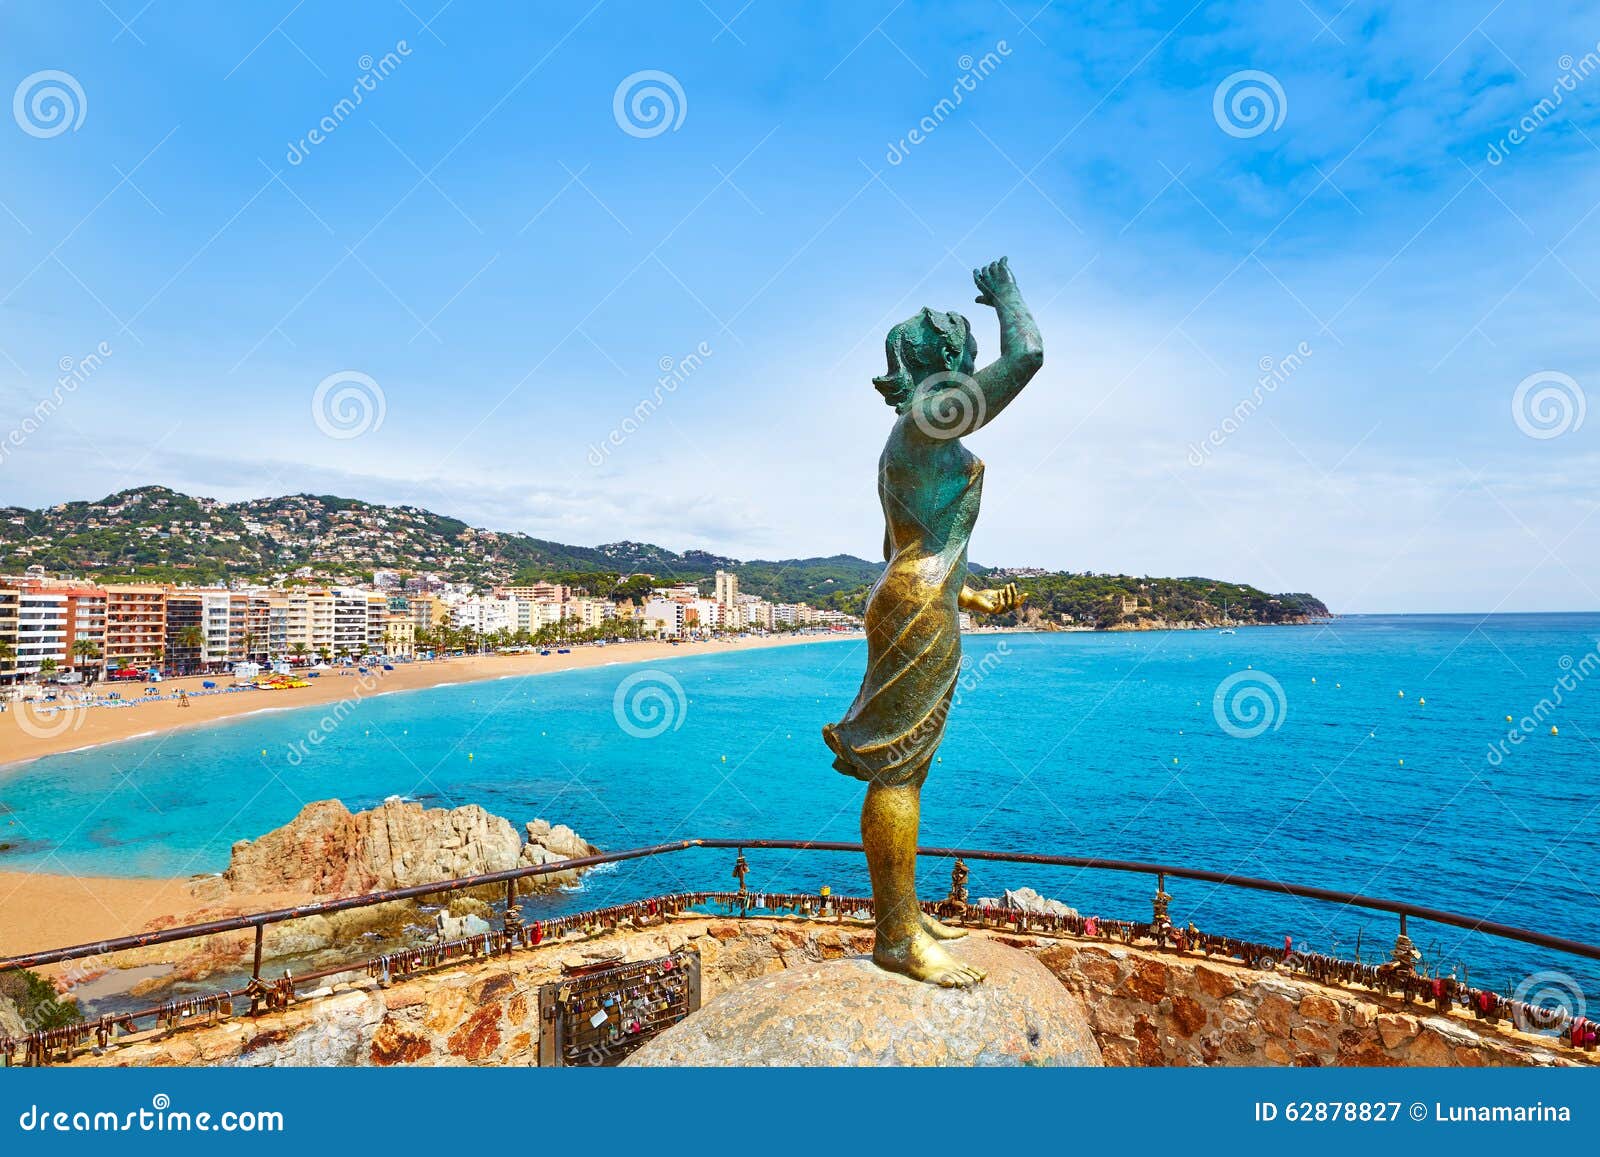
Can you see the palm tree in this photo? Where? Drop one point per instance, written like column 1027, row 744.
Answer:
column 191, row 638
column 84, row 651
column 8, row 659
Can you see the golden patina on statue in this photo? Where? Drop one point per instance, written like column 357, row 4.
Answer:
column 929, row 485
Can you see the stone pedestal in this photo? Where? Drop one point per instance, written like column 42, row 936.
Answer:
column 851, row 1013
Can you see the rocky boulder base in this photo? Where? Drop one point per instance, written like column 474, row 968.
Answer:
column 328, row 851
column 851, row 1013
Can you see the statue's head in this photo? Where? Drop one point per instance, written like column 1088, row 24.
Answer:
column 930, row 343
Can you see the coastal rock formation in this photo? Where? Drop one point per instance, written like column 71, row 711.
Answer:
column 1027, row 900
column 1020, row 1015
column 328, row 851
column 547, row 843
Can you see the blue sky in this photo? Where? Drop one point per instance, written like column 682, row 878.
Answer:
column 484, row 240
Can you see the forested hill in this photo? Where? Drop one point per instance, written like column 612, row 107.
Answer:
column 157, row 534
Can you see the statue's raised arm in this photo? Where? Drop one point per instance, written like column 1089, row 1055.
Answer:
column 954, row 404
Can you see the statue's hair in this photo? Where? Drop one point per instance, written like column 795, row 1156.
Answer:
column 916, row 348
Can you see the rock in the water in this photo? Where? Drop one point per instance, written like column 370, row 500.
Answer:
column 1027, row 900
column 852, row 1013
column 547, row 844
column 327, row 851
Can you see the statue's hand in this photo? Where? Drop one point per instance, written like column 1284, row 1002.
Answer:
column 998, row 601
column 994, row 282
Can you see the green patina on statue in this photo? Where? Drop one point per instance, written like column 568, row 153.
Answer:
column 929, row 485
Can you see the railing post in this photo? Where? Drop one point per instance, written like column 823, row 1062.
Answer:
column 513, row 923
column 958, row 886
column 741, row 869
column 1404, row 955
column 1159, row 903
column 255, row 969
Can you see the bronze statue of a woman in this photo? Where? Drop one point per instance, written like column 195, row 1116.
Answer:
column 929, row 486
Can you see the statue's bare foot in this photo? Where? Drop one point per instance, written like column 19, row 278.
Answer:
column 941, row 931
column 922, row 959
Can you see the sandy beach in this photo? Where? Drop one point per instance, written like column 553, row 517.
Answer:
column 28, row 733
column 39, row 910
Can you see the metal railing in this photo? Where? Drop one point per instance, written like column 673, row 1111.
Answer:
column 1398, row 974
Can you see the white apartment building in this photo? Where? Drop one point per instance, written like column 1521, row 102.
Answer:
column 727, row 588
column 41, row 630
column 217, row 624
column 485, row 614
column 667, row 616
column 349, row 621
column 377, row 623
column 757, row 612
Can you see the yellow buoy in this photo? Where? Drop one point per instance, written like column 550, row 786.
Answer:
column 1313, row 678
column 470, row 755
column 1508, row 719
column 1402, row 694
column 724, row 759
column 263, row 751
column 1402, row 763
column 1422, row 702
column 1174, row 759
column 1554, row 731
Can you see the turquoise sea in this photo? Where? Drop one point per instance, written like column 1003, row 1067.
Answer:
column 1091, row 744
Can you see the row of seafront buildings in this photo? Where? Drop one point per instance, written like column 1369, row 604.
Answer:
column 678, row 611
column 50, row 626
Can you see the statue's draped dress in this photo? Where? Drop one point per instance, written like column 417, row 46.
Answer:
column 893, row 728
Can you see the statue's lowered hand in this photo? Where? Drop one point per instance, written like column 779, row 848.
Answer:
column 997, row 601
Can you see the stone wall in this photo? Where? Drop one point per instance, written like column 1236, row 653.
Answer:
column 1146, row 1008
column 1171, row 1008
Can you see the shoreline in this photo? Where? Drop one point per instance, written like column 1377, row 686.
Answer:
column 88, row 728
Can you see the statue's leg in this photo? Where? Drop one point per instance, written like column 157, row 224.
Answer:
column 890, row 818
